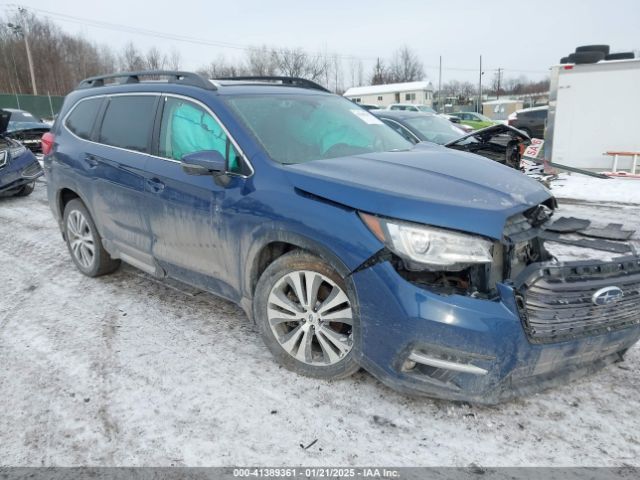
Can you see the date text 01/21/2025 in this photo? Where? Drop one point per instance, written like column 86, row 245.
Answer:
column 315, row 472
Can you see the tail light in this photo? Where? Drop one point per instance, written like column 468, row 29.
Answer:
column 47, row 142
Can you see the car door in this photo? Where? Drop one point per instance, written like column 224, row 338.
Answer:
column 185, row 210
column 118, row 158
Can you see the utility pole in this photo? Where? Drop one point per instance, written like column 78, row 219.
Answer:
column 440, row 85
column 21, row 30
column 499, row 78
column 480, row 87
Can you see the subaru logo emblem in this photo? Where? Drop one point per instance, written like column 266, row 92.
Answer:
column 607, row 296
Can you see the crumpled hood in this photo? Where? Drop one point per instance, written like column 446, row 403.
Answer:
column 429, row 184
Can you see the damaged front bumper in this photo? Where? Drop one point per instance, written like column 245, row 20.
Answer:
column 541, row 330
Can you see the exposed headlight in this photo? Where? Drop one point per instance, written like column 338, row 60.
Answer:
column 431, row 248
column 17, row 151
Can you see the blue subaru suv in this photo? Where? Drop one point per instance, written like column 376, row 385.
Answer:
column 348, row 246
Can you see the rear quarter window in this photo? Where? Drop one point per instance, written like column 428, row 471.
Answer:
column 128, row 122
column 81, row 119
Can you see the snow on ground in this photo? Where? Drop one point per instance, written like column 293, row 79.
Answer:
column 123, row 370
column 575, row 186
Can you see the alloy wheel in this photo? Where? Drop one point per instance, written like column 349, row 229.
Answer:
column 80, row 239
column 311, row 318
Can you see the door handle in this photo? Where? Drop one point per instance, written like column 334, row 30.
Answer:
column 155, row 185
column 91, row 160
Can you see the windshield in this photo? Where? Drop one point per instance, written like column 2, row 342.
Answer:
column 301, row 128
column 424, row 108
column 435, row 129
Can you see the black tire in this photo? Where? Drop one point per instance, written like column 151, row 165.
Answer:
column 620, row 56
column 587, row 57
column 594, row 48
column 101, row 262
column 26, row 190
column 270, row 280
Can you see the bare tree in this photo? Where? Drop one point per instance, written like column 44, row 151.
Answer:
column 222, row 68
column 174, row 61
column 262, row 61
column 405, row 66
column 154, row 59
column 297, row 63
column 131, row 58
column 380, row 74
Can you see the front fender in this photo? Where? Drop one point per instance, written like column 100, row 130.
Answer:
column 346, row 243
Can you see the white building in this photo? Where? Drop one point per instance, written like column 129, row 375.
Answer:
column 384, row 95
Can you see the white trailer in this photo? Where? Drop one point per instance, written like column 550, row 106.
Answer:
column 594, row 109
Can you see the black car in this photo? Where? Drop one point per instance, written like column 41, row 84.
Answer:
column 501, row 143
column 531, row 121
column 19, row 168
column 26, row 128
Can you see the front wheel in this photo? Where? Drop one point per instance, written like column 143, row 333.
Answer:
column 307, row 320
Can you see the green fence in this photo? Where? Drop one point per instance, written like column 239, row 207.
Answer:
column 43, row 106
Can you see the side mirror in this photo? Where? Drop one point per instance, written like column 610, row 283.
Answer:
column 205, row 162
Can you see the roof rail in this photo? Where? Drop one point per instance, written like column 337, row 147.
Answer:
column 288, row 81
column 182, row 78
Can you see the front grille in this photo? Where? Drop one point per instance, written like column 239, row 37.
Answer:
column 556, row 302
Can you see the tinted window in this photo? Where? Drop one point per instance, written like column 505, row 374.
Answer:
column 128, row 122
column 83, row 116
column 188, row 128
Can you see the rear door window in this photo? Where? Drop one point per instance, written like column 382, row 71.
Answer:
column 81, row 119
column 128, row 122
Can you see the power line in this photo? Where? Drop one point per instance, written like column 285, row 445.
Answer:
column 166, row 36
column 216, row 43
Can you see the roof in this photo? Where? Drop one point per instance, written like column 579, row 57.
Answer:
column 501, row 101
column 533, row 109
column 389, row 88
column 401, row 114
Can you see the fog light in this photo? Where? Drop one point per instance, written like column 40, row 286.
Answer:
column 408, row 365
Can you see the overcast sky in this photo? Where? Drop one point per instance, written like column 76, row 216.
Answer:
column 521, row 37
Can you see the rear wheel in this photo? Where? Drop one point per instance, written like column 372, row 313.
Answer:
column 26, row 190
column 306, row 318
column 84, row 242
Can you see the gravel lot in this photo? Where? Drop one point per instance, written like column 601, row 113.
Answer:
column 124, row 370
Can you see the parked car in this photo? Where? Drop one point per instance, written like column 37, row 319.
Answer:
column 410, row 107
column 26, row 128
column 499, row 142
column 531, row 121
column 18, row 166
column 348, row 245
column 369, row 106
column 474, row 120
